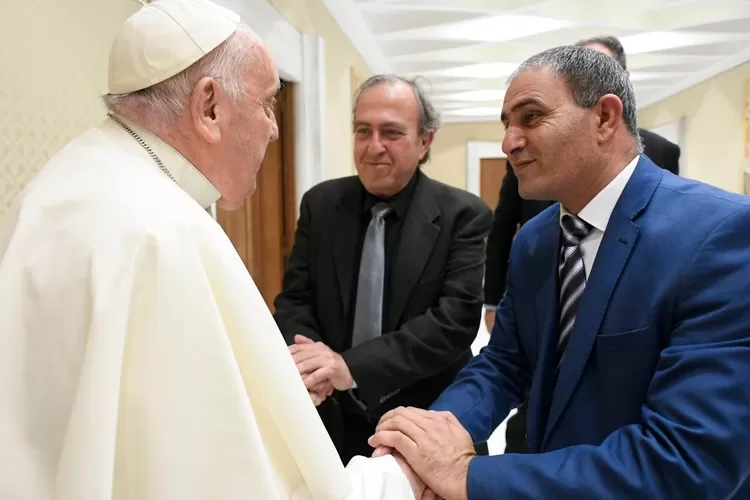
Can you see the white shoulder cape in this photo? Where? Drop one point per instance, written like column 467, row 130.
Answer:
column 138, row 361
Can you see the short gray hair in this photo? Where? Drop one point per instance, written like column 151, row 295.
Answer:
column 163, row 102
column 590, row 75
column 429, row 118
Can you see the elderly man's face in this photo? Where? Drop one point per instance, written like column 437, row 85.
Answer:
column 549, row 140
column 252, row 127
column 387, row 143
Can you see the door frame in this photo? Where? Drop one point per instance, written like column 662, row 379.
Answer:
column 475, row 151
column 300, row 58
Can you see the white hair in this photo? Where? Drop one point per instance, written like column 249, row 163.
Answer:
column 162, row 103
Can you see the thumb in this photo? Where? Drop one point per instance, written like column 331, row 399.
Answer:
column 382, row 451
column 301, row 339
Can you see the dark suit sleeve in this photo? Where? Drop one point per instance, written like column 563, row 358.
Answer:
column 495, row 381
column 695, row 424
column 429, row 343
column 294, row 305
column 507, row 217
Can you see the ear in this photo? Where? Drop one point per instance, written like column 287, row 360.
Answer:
column 627, row 72
column 609, row 113
column 427, row 139
column 206, row 109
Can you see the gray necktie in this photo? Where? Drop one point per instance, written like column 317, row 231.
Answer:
column 368, row 312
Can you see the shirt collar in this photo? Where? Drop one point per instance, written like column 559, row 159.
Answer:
column 187, row 177
column 598, row 211
column 399, row 202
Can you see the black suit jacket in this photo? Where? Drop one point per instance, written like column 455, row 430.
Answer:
column 513, row 211
column 664, row 153
column 435, row 294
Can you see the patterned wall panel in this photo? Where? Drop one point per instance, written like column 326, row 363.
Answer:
column 53, row 68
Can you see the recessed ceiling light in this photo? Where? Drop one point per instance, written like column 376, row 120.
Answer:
column 499, row 28
column 480, row 111
column 483, row 70
column 474, row 95
column 654, row 41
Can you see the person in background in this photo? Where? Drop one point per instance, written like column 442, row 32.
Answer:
column 137, row 358
column 513, row 211
column 382, row 296
column 625, row 321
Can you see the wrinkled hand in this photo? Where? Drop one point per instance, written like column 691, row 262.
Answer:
column 320, row 392
column 434, row 444
column 320, row 365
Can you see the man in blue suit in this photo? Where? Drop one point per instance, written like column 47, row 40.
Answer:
column 626, row 318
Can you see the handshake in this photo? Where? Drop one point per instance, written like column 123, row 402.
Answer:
column 432, row 448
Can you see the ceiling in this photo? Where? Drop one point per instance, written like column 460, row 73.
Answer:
column 466, row 49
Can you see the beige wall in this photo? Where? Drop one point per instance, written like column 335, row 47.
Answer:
column 50, row 77
column 343, row 64
column 448, row 163
column 714, row 111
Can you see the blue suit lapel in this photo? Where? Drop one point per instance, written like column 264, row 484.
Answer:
column 616, row 246
column 546, row 309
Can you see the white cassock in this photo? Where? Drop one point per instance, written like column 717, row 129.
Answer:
column 138, row 361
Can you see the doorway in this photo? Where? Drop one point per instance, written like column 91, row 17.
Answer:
column 491, row 174
column 262, row 230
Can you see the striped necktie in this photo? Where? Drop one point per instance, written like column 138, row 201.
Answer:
column 572, row 277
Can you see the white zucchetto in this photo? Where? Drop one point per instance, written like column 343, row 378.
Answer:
column 164, row 38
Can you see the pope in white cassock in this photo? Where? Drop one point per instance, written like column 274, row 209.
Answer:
column 138, row 360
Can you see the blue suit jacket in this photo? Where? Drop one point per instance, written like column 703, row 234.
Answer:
column 653, row 399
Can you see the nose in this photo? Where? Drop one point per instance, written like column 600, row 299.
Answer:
column 375, row 146
column 513, row 141
column 274, row 130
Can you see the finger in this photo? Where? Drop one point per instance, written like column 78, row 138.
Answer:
column 421, row 418
column 402, row 424
column 316, row 348
column 395, row 441
column 381, row 451
column 301, row 339
column 390, row 414
column 304, row 354
column 321, row 387
column 310, row 365
column 316, row 399
column 321, row 375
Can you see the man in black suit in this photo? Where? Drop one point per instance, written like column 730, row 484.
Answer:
column 382, row 296
column 512, row 212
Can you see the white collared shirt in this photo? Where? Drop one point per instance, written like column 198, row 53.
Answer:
column 598, row 211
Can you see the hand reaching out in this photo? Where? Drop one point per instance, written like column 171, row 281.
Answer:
column 434, row 444
column 322, row 369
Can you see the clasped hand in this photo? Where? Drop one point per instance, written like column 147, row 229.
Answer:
column 322, row 369
column 434, row 444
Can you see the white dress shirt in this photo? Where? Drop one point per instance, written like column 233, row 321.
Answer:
column 598, row 211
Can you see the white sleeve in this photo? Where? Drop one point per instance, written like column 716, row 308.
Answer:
column 378, row 478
